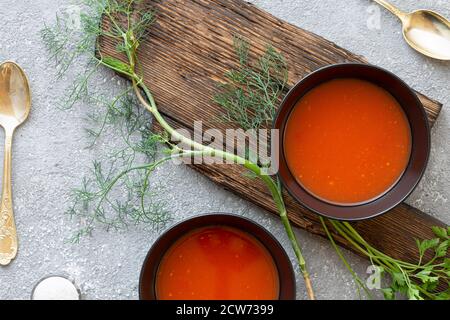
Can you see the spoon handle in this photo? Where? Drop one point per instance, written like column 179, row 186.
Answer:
column 8, row 234
column 399, row 13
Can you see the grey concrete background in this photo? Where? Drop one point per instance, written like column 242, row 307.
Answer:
column 49, row 155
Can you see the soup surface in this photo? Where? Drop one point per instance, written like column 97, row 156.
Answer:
column 347, row 141
column 217, row 263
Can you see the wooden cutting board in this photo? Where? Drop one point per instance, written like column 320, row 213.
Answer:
column 185, row 56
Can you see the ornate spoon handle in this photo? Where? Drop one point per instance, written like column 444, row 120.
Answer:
column 8, row 234
column 393, row 9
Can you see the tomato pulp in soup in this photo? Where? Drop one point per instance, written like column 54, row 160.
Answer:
column 347, row 141
column 217, row 263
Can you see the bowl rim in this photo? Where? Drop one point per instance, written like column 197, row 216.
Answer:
column 283, row 164
column 288, row 294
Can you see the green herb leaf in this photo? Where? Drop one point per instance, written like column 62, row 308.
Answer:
column 398, row 278
column 442, row 249
column 388, row 293
column 447, row 263
column 440, row 232
column 424, row 275
column 428, row 244
column 414, row 294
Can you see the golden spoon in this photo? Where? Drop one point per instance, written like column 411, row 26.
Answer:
column 426, row 31
column 15, row 104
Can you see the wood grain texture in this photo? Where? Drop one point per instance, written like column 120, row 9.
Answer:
column 184, row 58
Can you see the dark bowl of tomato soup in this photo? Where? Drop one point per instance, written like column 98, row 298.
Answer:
column 217, row 257
column 354, row 141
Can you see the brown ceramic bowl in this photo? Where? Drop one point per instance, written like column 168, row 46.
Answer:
column 420, row 133
column 152, row 261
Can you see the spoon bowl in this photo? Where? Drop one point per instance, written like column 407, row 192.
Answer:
column 15, row 105
column 429, row 33
column 424, row 30
column 15, row 98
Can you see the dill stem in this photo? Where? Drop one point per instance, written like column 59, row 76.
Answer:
column 270, row 183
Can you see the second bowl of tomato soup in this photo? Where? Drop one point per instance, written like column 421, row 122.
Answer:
column 217, row 257
column 354, row 141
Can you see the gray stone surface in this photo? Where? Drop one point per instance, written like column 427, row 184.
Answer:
column 50, row 155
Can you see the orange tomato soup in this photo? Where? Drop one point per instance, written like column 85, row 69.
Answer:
column 347, row 141
column 217, row 263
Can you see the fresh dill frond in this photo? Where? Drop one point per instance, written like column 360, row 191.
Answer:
column 103, row 199
column 253, row 90
column 118, row 199
column 122, row 195
column 70, row 43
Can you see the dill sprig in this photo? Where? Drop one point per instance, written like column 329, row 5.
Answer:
column 96, row 200
column 253, row 91
column 118, row 192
